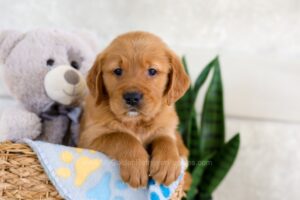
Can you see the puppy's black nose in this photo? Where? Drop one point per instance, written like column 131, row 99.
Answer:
column 132, row 98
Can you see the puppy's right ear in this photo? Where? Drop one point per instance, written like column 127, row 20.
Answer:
column 8, row 40
column 179, row 81
column 95, row 80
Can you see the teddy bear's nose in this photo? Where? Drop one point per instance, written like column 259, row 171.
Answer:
column 71, row 77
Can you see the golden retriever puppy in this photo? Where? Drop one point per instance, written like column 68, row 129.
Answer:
column 129, row 114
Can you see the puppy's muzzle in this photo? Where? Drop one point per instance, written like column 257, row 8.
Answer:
column 132, row 98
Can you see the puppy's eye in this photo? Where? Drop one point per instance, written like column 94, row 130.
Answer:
column 75, row 64
column 118, row 71
column 50, row 62
column 152, row 72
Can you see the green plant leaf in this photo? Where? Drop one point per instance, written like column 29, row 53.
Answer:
column 184, row 63
column 212, row 119
column 194, row 142
column 199, row 80
column 203, row 196
column 202, row 78
column 197, row 174
column 184, row 110
column 196, row 178
column 209, row 140
column 221, row 164
column 183, row 104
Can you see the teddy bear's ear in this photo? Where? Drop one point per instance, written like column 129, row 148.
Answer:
column 90, row 38
column 8, row 40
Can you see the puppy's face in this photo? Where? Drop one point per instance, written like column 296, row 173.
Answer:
column 137, row 74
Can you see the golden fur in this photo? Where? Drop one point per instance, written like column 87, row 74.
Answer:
column 146, row 144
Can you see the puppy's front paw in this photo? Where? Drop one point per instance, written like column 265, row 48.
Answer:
column 165, row 168
column 134, row 170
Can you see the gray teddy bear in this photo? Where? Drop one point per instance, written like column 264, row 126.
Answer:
column 44, row 71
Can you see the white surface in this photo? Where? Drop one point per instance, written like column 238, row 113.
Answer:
column 259, row 47
column 255, row 86
column 268, row 163
column 258, row 41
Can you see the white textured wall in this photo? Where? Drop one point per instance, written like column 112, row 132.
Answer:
column 259, row 45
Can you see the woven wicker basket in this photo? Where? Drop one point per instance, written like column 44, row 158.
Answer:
column 22, row 176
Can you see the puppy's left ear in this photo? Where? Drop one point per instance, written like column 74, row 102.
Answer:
column 179, row 81
column 95, row 81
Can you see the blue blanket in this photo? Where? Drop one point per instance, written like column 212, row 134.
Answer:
column 88, row 175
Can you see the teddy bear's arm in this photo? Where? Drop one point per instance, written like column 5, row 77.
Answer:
column 17, row 123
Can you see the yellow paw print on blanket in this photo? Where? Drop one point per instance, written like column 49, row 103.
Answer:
column 84, row 166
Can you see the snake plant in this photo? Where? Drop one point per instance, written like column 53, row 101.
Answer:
column 210, row 156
